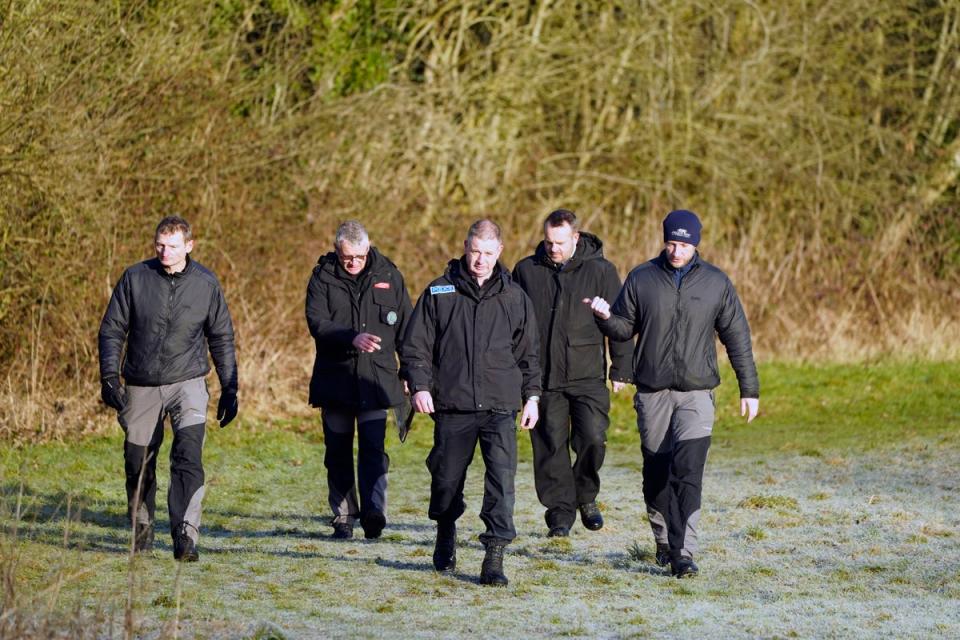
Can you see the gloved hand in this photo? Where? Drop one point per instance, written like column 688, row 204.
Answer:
column 227, row 408
column 113, row 394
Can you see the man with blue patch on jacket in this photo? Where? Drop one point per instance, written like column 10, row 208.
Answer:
column 357, row 309
column 167, row 311
column 470, row 357
column 677, row 304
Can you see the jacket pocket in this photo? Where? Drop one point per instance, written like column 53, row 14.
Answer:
column 387, row 380
column 585, row 357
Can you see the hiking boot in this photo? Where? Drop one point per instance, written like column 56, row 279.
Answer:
column 684, row 568
column 445, row 550
column 558, row 531
column 491, row 571
column 662, row 556
column 590, row 516
column 373, row 524
column 143, row 537
column 184, row 548
column 342, row 530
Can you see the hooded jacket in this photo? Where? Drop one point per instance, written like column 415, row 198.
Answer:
column 167, row 321
column 338, row 308
column 572, row 347
column 676, row 347
column 474, row 348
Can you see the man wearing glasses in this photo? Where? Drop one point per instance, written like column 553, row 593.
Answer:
column 357, row 309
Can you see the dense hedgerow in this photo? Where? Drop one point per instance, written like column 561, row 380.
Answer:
column 818, row 141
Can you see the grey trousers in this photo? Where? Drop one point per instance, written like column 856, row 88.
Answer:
column 142, row 419
column 675, row 429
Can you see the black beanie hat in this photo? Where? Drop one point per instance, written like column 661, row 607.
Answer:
column 682, row 226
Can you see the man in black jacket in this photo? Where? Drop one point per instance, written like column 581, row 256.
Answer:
column 357, row 310
column 574, row 406
column 471, row 359
column 677, row 303
column 167, row 311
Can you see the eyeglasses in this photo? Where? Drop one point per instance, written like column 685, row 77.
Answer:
column 344, row 258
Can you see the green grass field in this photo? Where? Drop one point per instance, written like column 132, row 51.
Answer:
column 834, row 514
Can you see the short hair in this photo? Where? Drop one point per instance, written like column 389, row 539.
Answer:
column 561, row 217
column 172, row 224
column 484, row 230
column 351, row 231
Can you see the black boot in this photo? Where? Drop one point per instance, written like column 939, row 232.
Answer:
column 491, row 571
column 373, row 523
column 662, row 555
column 445, row 550
column 590, row 516
column 143, row 537
column 184, row 548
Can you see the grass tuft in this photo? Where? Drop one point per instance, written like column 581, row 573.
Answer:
column 783, row 503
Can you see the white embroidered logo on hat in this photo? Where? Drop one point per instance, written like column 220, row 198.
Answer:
column 682, row 233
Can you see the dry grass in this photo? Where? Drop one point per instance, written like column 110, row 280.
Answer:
column 818, row 141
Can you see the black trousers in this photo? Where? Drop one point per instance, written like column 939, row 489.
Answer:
column 575, row 417
column 372, row 462
column 455, row 437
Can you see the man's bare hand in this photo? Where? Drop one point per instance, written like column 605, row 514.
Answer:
column 599, row 306
column 367, row 342
column 619, row 386
column 530, row 415
column 749, row 407
column 423, row 402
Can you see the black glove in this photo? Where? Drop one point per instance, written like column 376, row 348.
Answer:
column 227, row 408
column 112, row 393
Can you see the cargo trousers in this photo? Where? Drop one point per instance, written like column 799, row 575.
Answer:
column 675, row 430
column 142, row 419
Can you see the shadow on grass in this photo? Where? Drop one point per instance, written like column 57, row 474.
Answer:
column 427, row 567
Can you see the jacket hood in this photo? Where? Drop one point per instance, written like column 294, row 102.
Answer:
column 456, row 272
column 589, row 247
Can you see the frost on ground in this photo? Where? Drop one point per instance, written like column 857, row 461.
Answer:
column 813, row 545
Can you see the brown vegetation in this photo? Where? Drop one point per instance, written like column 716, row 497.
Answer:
column 818, row 141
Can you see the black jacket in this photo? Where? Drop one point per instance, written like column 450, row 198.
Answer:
column 167, row 322
column 474, row 348
column 572, row 347
column 676, row 346
column 339, row 307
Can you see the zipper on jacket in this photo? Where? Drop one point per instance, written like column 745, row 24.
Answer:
column 555, row 308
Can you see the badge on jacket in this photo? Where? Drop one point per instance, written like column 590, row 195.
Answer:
column 381, row 285
column 434, row 290
column 392, row 318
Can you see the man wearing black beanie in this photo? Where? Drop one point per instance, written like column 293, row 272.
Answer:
column 676, row 304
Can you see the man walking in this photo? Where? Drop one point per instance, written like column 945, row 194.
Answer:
column 357, row 310
column 471, row 360
column 676, row 304
column 168, row 311
column 574, row 406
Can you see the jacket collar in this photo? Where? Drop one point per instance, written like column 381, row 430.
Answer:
column 664, row 264
column 460, row 277
column 589, row 247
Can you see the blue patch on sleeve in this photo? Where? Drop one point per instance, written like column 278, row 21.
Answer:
column 449, row 288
